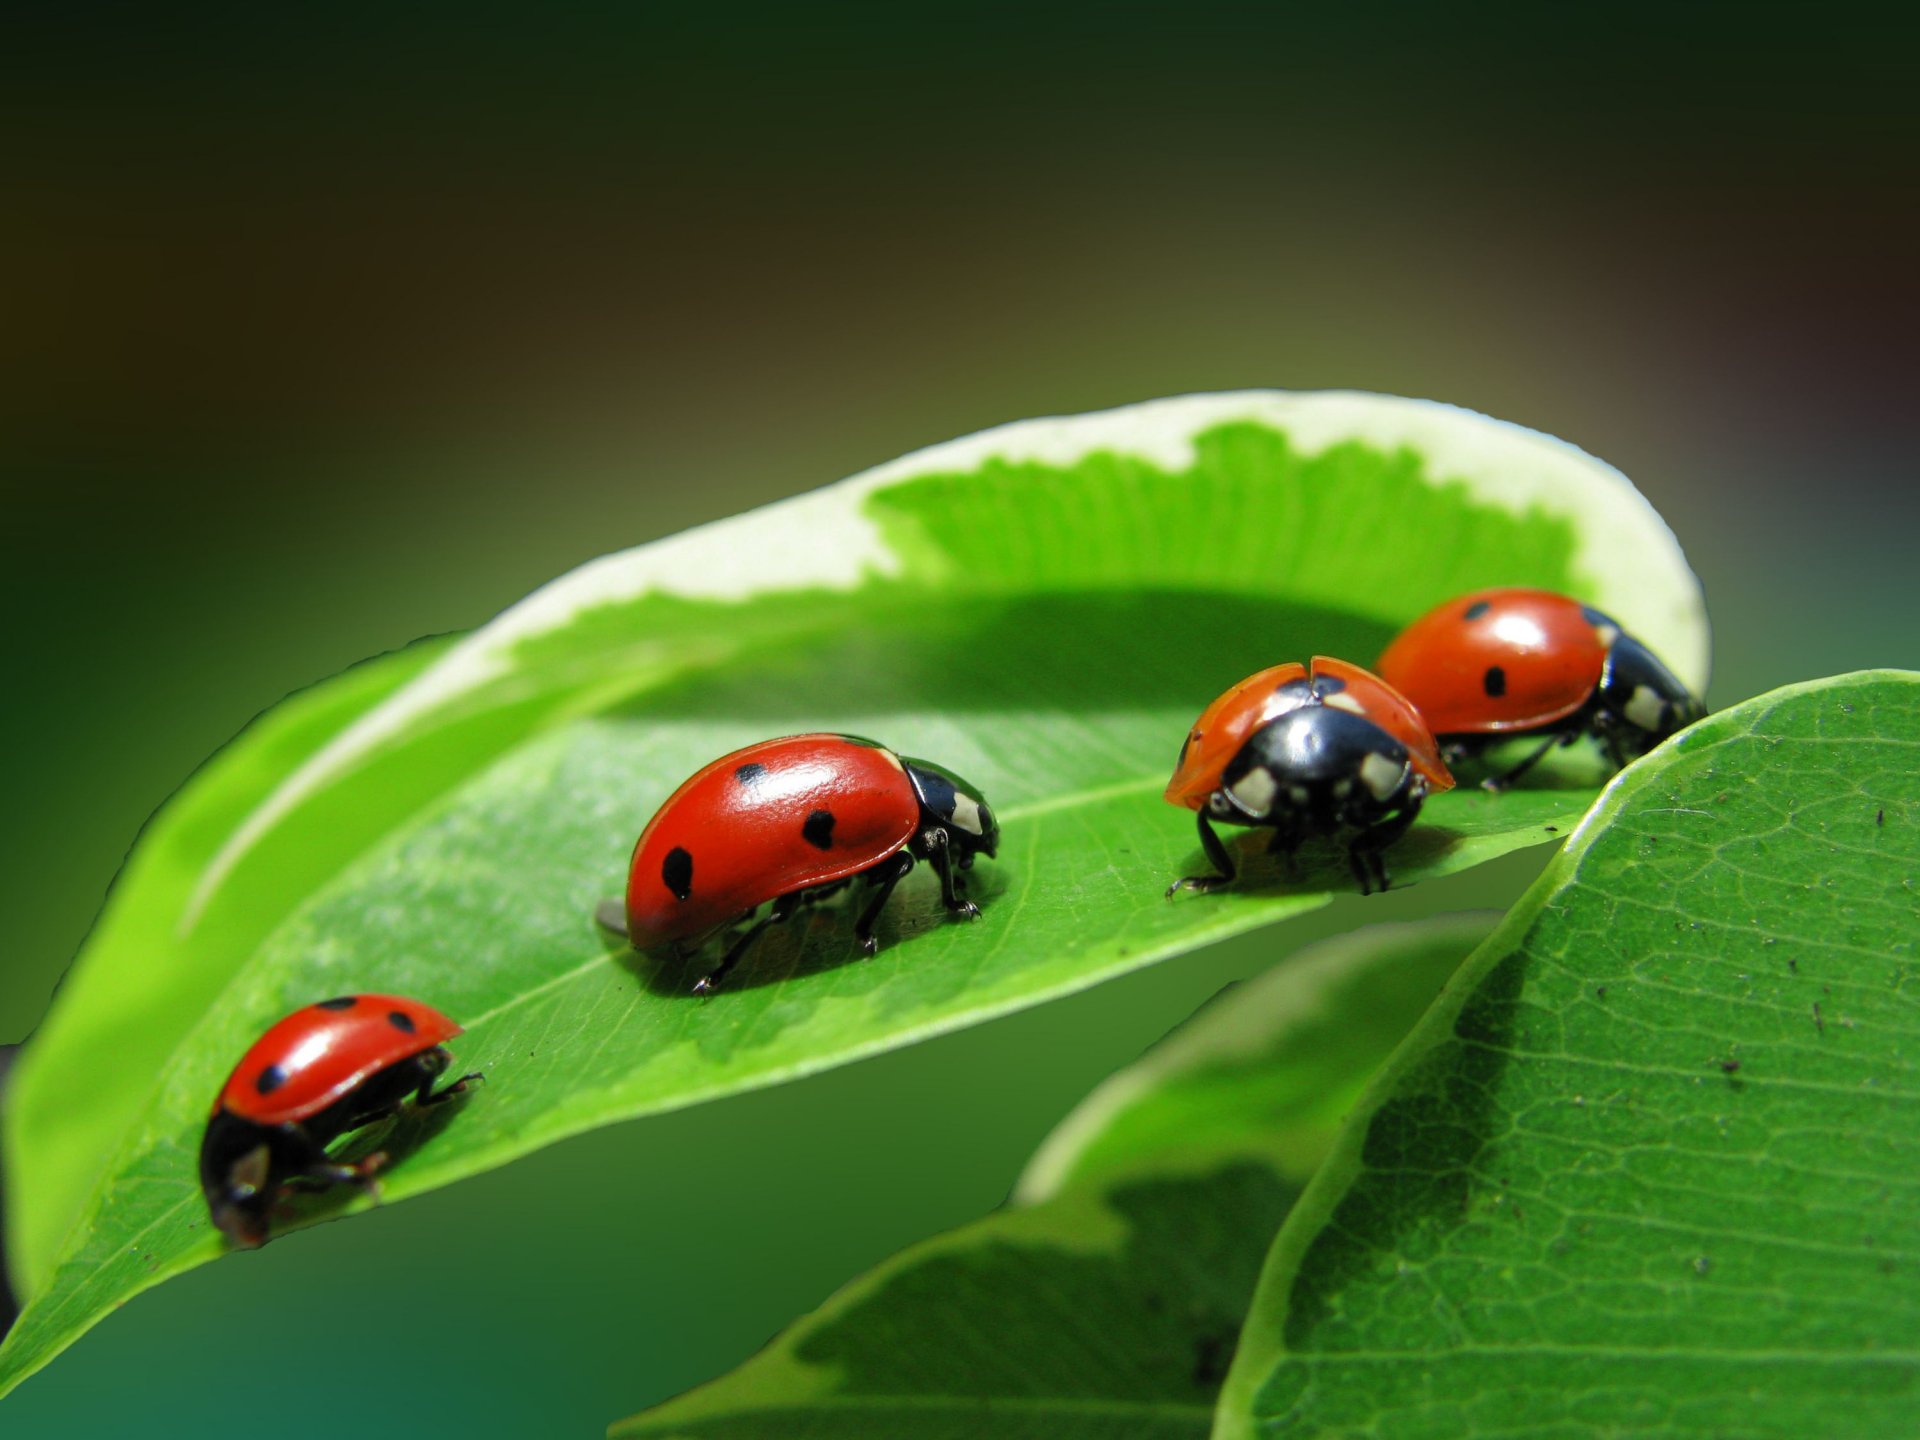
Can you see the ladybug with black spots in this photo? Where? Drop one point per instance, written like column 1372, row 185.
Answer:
column 322, row 1071
column 1513, row 663
column 1325, row 749
column 792, row 821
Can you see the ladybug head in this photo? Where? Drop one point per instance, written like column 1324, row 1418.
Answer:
column 1637, row 688
column 958, row 808
column 236, row 1175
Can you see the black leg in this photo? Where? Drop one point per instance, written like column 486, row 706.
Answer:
column 952, row 893
column 1216, row 854
column 1494, row 784
column 1363, row 854
column 891, row 873
column 320, row 1171
column 426, row 1095
column 781, row 911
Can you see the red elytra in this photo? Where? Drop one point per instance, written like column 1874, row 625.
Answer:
column 1225, row 725
column 765, row 821
column 1508, row 658
column 317, row 1054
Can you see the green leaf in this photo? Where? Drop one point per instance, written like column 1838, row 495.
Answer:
column 1044, row 608
column 1270, row 1069
column 1650, row 1167
column 1105, row 1301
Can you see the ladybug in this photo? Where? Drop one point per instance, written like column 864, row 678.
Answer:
column 1511, row 662
column 1309, row 750
column 792, row 821
column 320, row 1072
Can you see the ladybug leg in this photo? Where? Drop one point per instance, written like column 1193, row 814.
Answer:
column 886, row 875
column 1286, row 844
column 426, row 1095
column 317, row 1170
column 953, row 891
column 1494, row 784
column 1363, row 852
column 781, row 910
column 1216, row 854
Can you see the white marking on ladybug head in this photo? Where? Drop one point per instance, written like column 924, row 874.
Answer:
column 966, row 813
column 248, row 1177
column 1646, row 708
column 1380, row 775
column 1341, row 700
column 1608, row 634
column 1254, row 791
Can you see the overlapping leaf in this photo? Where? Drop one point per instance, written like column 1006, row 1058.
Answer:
column 1043, row 608
column 1651, row 1166
column 1107, row 1305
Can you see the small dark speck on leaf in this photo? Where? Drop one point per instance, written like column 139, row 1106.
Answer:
column 1600, row 992
column 1819, row 1021
column 1702, row 1265
column 1880, row 817
column 1553, row 829
column 1210, row 1356
column 1794, row 965
column 1729, row 1066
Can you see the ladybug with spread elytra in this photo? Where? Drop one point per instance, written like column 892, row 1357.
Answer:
column 1512, row 663
column 1310, row 750
column 792, row 821
column 322, row 1071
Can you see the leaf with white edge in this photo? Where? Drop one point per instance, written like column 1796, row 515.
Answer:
column 1650, row 1167
column 1270, row 1068
column 1104, row 1302
column 1044, row 608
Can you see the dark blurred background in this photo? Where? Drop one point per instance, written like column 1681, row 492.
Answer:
column 321, row 332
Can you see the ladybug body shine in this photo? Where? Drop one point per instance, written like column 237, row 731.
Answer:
column 1325, row 749
column 314, row 1076
column 1512, row 662
column 792, row 821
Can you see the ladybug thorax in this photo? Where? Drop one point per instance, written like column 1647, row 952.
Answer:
column 1316, row 756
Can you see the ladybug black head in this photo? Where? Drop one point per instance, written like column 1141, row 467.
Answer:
column 957, row 807
column 236, row 1175
column 1637, row 688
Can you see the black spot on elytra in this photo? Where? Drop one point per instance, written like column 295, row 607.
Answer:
column 401, row 1021
column 677, row 871
column 1476, row 609
column 749, row 772
column 339, row 1002
column 1495, row 681
column 818, row 831
column 270, row 1080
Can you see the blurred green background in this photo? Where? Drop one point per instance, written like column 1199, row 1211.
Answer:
column 319, row 333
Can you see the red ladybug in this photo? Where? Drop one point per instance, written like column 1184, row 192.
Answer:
column 322, row 1071
column 1316, row 750
column 1510, row 662
column 792, row 821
